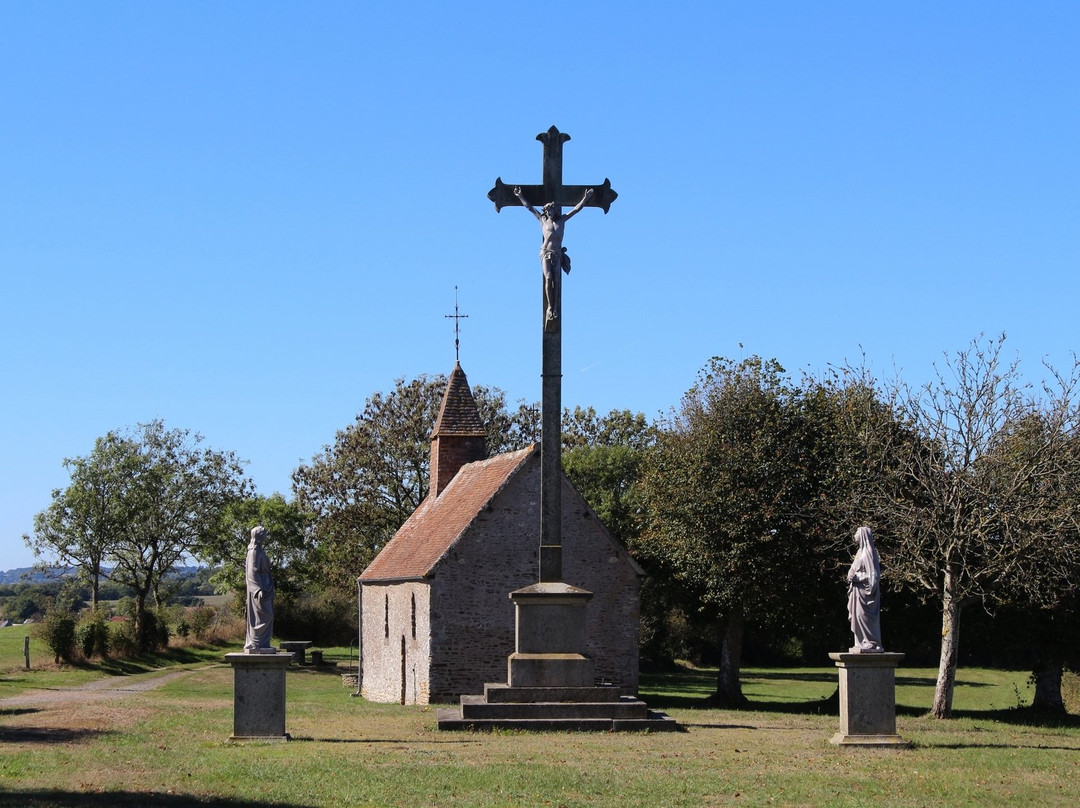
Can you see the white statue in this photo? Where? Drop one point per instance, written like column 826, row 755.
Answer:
column 260, row 596
column 864, row 595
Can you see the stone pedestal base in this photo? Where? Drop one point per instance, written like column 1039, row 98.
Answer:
column 259, row 696
column 551, row 670
column 551, row 681
column 867, row 699
column 550, row 630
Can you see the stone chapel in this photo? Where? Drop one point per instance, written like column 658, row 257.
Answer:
column 436, row 620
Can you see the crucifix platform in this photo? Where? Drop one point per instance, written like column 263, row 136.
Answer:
column 551, row 682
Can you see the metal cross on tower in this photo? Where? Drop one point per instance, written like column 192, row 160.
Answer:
column 457, row 318
column 552, row 192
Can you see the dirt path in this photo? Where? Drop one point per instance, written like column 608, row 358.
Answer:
column 114, row 687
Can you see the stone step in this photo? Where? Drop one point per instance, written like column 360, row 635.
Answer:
column 501, row 693
column 628, row 708
column 450, row 718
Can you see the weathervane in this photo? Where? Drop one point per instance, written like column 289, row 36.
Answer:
column 457, row 318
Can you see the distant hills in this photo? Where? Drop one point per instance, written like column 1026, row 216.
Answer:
column 36, row 576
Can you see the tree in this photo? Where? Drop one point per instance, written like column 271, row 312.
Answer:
column 981, row 505
column 160, row 495
column 737, row 493
column 286, row 545
column 82, row 523
column 364, row 487
column 603, row 458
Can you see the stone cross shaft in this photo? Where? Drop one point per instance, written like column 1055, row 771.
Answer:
column 552, row 190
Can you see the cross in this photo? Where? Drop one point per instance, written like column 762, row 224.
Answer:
column 552, row 191
column 457, row 318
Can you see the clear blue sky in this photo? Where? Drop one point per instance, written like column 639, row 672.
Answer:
column 245, row 218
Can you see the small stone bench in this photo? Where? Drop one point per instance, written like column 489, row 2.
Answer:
column 298, row 649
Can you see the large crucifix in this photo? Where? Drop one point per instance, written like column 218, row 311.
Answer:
column 551, row 195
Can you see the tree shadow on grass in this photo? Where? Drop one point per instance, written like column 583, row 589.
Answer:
column 125, row 799
column 1023, row 717
column 399, row 741
column 1016, row 716
column 826, row 676
column 146, row 664
column 318, row 670
column 714, row 725
column 829, row 705
column 48, row 735
column 9, row 711
column 961, row 745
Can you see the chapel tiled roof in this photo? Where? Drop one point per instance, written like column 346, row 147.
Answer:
column 458, row 414
column 437, row 524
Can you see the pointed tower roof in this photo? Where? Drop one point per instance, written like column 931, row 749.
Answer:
column 458, row 415
column 459, row 436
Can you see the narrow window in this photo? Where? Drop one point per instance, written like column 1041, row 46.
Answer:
column 386, row 617
column 414, row 615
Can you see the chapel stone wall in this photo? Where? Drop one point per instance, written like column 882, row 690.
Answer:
column 473, row 626
column 396, row 646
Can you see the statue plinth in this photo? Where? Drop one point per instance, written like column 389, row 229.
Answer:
column 867, row 699
column 550, row 645
column 259, row 696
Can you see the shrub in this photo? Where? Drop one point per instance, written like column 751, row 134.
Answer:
column 122, row 638
column 155, row 631
column 226, row 626
column 201, row 618
column 125, row 607
column 58, row 633
column 326, row 619
column 92, row 634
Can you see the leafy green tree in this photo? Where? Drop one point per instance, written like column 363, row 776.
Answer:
column 583, row 428
column 286, row 544
column 739, row 503
column 603, row 456
column 82, row 523
column 361, row 489
column 161, row 497
column 24, row 601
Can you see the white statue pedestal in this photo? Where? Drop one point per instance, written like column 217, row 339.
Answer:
column 867, row 699
column 259, row 696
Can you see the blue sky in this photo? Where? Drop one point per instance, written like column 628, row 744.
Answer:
column 245, row 218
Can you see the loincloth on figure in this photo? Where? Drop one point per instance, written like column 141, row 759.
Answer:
column 550, row 258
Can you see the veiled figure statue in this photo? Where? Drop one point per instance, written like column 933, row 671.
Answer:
column 864, row 595
column 260, row 595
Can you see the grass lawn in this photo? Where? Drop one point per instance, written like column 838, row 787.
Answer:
column 43, row 673
column 167, row 747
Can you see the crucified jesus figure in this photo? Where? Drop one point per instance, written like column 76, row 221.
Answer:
column 552, row 253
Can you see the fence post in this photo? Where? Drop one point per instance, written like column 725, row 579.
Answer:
column 26, row 651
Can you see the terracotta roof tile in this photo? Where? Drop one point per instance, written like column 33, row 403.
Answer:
column 458, row 414
column 439, row 521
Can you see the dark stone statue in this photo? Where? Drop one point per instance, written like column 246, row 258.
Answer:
column 553, row 256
